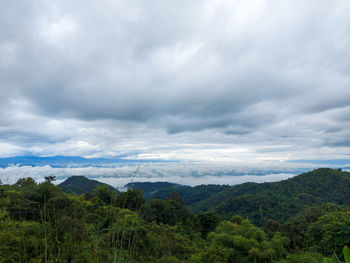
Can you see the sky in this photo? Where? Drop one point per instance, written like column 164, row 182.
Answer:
column 234, row 81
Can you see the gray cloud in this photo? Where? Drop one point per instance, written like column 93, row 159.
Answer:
column 172, row 79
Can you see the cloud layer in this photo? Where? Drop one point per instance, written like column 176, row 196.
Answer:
column 189, row 80
column 184, row 173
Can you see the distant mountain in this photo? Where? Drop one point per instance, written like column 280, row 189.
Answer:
column 327, row 162
column 80, row 184
column 149, row 188
column 64, row 161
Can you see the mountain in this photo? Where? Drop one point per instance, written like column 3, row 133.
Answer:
column 260, row 202
column 149, row 188
column 264, row 201
column 65, row 161
column 80, row 184
column 191, row 195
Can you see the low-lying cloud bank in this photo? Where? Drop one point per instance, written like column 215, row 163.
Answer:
column 193, row 181
column 183, row 173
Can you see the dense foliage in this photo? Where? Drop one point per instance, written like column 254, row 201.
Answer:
column 150, row 188
column 40, row 223
column 262, row 202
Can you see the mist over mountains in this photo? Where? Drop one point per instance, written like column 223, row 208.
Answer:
column 120, row 171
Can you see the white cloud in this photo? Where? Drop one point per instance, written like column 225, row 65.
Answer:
column 183, row 173
column 58, row 30
column 210, row 80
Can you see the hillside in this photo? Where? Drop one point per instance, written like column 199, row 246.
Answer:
column 150, row 188
column 277, row 200
column 80, row 184
column 40, row 223
column 191, row 195
column 259, row 202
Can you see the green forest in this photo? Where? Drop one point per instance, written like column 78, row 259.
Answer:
column 302, row 219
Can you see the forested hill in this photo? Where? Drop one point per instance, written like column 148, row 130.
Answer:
column 264, row 201
column 149, row 188
column 260, row 202
column 40, row 223
column 80, row 184
column 192, row 195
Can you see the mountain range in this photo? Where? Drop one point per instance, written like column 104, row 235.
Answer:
column 258, row 201
column 65, row 161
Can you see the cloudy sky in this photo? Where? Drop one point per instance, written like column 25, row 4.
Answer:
column 230, row 80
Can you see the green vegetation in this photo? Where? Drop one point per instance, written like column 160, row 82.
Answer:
column 191, row 195
column 80, row 184
column 41, row 223
column 149, row 188
column 262, row 202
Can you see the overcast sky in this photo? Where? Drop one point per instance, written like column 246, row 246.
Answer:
column 200, row 80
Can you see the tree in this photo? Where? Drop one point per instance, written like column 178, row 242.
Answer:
column 106, row 195
column 175, row 196
column 131, row 199
column 20, row 241
column 330, row 233
column 207, row 222
column 25, row 182
column 242, row 242
column 50, row 178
